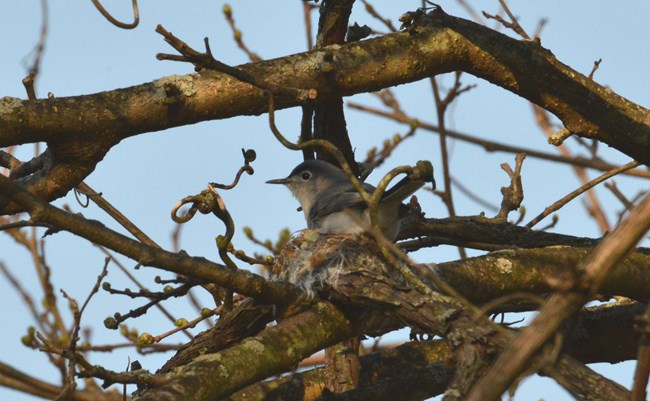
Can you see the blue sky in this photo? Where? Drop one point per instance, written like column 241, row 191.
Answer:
column 145, row 175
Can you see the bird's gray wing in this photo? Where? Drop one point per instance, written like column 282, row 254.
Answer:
column 349, row 199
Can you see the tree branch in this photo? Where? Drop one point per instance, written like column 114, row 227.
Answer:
column 240, row 281
column 480, row 233
column 329, row 119
column 424, row 361
column 273, row 351
column 539, row 271
column 561, row 305
column 445, row 44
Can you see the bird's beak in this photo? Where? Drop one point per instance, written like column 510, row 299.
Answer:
column 283, row 181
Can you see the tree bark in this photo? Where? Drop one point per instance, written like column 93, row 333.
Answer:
column 439, row 43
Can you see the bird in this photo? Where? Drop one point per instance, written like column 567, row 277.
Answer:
column 332, row 205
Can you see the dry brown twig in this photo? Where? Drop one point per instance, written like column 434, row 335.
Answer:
column 114, row 213
column 441, row 104
column 134, row 280
column 592, row 272
column 540, row 26
column 568, row 198
column 119, row 24
column 611, row 185
column 471, row 11
column 306, row 9
column 376, row 157
column 237, row 34
column 371, row 10
column 492, row 146
column 207, row 61
column 473, row 196
column 389, row 99
column 513, row 194
column 513, row 24
column 595, row 68
column 70, row 383
column 595, row 209
column 101, row 202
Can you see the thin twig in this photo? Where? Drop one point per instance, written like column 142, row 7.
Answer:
column 70, row 383
column 306, row 8
column 124, row 221
column 595, row 209
column 595, row 68
column 514, row 25
column 207, row 61
column 619, row 195
column 494, row 304
column 112, row 20
column 554, row 220
column 237, row 34
column 540, row 26
column 371, row 10
column 472, row 196
column 557, row 205
column 27, row 298
column 592, row 271
column 492, row 146
column 376, row 157
column 471, row 11
column 441, row 108
column 30, row 80
column 513, row 194
column 137, row 283
column 206, row 313
column 389, row 99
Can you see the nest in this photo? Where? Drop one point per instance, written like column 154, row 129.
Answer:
column 316, row 262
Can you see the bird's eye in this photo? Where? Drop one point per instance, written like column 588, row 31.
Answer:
column 305, row 176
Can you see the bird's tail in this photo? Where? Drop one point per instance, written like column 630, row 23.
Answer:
column 422, row 173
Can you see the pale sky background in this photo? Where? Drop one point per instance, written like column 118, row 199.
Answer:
column 144, row 176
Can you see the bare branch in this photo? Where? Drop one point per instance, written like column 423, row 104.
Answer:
column 568, row 198
column 119, row 24
column 492, row 146
column 561, row 305
column 586, row 108
column 240, row 281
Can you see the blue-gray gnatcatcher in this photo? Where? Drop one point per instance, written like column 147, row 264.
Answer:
column 332, row 205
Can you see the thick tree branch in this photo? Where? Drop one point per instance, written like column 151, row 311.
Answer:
column 273, row 351
column 383, row 372
column 240, row 281
column 604, row 333
column 480, row 233
column 245, row 320
column 539, row 271
column 349, row 272
column 424, row 360
column 588, row 279
column 445, row 44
